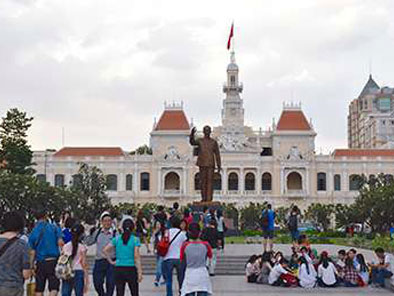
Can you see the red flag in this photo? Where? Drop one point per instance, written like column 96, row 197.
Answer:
column 231, row 36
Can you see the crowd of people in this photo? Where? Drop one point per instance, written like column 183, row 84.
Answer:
column 55, row 254
column 306, row 268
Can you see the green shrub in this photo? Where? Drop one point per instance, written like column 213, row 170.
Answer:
column 383, row 242
column 250, row 232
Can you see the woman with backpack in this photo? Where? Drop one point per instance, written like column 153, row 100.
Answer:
column 78, row 272
column 157, row 233
column 128, row 263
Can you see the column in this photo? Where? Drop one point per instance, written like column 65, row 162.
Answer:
column 282, row 181
column 136, row 186
column 258, row 180
column 159, row 191
column 184, row 191
column 224, row 181
column 122, row 182
column 241, row 185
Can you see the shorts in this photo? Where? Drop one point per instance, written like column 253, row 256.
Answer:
column 268, row 233
column 46, row 271
column 295, row 235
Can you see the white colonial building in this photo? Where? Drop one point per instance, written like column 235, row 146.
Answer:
column 278, row 165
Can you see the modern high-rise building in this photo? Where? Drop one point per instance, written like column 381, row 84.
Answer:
column 371, row 117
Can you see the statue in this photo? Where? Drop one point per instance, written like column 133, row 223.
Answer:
column 208, row 155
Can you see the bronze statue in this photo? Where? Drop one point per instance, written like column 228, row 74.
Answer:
column 208, row 154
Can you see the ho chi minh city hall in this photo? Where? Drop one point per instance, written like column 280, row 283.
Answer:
column 278, row 165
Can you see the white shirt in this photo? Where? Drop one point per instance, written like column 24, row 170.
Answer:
column 174, row 251
column 307, row 280
column 275, row 273
column 327, row 274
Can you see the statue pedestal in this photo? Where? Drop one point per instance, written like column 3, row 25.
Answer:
column 199, row 205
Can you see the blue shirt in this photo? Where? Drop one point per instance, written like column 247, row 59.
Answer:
column 66, row 235
column 47, row 247
column 271, row 218
column 125, row 253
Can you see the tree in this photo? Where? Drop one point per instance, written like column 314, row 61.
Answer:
column 250, row 216
column 320, row 215
column 15, row 154
column 144, row 149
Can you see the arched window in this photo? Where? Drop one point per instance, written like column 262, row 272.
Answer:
column 59, row 180
column 112, row 182
column 171, row 181
column 233, row 181
column 250, row 182
column 321, row 182
column 129, row 182
column 337, row 182
column 266, row 182
column 145, row 182
column 232, row 80
column 197, row 182
column 77, row 180
column 354, row 182
column 217, row 181
column 41, row 177
column 294, row 181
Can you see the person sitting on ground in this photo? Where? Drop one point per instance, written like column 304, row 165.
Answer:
column 210, row 234
column 350, row 274
column 251, row 276
column 307, row 273
column 326, row 272
column 293, row 264
column 352, row 253
column 277, row 257
column 265, row 268
column 14, row 255
column 382, row 268
column 340, row 264
column 280, row 276
column 194, row 255
column 363, row 270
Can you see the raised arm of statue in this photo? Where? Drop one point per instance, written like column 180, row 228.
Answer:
column 192, row 137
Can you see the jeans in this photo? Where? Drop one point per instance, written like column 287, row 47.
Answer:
column 126, row 275
column 211, row 263
column 159, row 272
column 197, row 294
column 103, row 270
column 379, row 274
column 76, row 284
column 168, row 267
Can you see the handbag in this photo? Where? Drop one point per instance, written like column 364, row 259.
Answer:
column 164, row 244
column 31, row 288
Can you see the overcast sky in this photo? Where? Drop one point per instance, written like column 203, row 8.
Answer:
column 103, row 69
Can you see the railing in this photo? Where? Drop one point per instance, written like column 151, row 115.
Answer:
column 172, row 192
column 233, row 192
column 295, row 193
column 250, row 192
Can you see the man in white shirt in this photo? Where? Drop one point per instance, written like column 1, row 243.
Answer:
column 382, row 268
column 172, row 258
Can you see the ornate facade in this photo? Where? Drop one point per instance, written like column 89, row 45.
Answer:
column 278, row 165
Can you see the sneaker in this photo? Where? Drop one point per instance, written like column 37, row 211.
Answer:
column 211, row 274
column 156, row 284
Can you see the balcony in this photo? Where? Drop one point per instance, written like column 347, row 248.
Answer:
column 295, row 193
column 169, row 193
column 250, row 192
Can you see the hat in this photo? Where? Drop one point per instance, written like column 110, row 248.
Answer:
column 104, row 214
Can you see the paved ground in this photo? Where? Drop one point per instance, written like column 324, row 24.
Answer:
column 236, row 285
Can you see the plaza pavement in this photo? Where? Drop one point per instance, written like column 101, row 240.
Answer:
column 236, row 285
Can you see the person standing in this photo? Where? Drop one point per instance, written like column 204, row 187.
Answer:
column 157, row 234
column 103, row 270
column 194, row 255
column 268, row 226
column 45, row 242
column 210, row 235
column 292, row 223
column 221, row 228
column 77, row 252
column 14, row 256
column 208, row 155
column 68, row 224
column 128, row 268
column 172, row 259
column 141, row 229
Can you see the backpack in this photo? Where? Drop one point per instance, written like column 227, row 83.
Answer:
column 164, row 244
column 292, row 224
column 64, row 267
column 264, row 219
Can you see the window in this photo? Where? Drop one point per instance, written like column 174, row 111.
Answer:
column 145, row 182
column 250, row 182
column 233, row 181
column 217, row 181
column 266, row 182
column 321, row 182
column 59, row 180
column 41, row 177
column 77, row 180
column 384, row 104
column 171, row 181
column 294, row 181
column 354, row 182
column 197, row 183
column 112, row 182
column 129, row 182
column 337, row 182
column 232, row 80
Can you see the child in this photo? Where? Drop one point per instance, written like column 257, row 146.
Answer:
column 307, row 273
column 326, row 272
column 251, row 276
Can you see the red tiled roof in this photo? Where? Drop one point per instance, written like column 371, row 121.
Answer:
column 293, row 120
column 173, row 120
column 364, row 152
column 89, row 151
